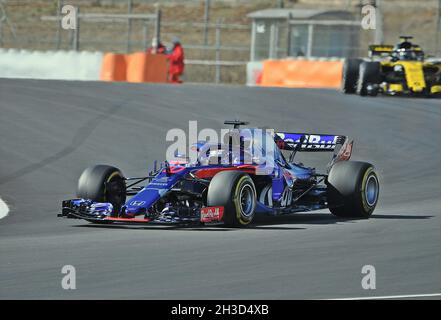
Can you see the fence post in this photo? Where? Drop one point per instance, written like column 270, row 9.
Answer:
column 1, row 30
column 59, row 7
column 76, row 39
column 4, row 17
column 145, row 35
column 273, row 41
column 437, row 29
column 218, row 44
column 310, row 40
column 158, row 24
column 206, row 20
column 289, row 35
column 129, row 24
column 379, row 37
column 253, row 41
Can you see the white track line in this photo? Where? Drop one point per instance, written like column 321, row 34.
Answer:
column 393, row 297
column 3, row 209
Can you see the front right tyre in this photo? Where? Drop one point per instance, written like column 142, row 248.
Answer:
column 103, row 183
column 369, row 75
column 352, row 189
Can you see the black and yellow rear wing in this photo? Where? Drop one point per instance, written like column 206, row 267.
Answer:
column 380, row 49
column 385, row 49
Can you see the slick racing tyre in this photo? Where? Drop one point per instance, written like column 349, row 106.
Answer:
column 103, row 183
column 353, row 189
column 235, row 191
column 369, row 75
column 350, row 75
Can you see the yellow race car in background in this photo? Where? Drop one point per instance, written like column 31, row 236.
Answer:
column 393, row 70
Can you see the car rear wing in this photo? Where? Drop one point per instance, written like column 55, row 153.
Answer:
column 380, row 49
column 308, row 142
column 341, row 146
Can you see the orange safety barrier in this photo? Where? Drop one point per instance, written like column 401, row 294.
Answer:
column 135, row 67
column 146, row 67
column 302, row 73
column 113, row 67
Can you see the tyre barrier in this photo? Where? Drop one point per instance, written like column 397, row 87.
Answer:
column 114, row 67
column 135, row 67
column 302, row 73
column 145, row 67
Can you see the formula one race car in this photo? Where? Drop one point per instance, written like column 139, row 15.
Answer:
column 230, row 182
column 393, row 70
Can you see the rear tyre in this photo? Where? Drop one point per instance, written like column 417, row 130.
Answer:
column 235, row 191
column 369, row 75
column 103, row 183
column 353, row 189
column 350, row 75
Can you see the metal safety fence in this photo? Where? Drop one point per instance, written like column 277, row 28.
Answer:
column 216, row 34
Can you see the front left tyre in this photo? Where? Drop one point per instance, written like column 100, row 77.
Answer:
column 350, row 75
column 103, row 183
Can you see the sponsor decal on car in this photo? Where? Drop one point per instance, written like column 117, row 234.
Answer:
column 310, row 141
column 137, row 203
column 212, row 214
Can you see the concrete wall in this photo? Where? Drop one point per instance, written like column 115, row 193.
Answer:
column 62, row 65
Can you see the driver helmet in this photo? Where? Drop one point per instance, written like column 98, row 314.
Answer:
column 406, row 51
column 405, row 54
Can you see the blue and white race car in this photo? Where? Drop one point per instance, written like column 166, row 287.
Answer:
column 253, row 171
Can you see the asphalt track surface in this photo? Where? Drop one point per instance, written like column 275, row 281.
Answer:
column 51, row 130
